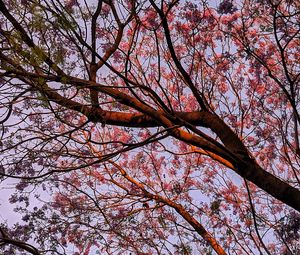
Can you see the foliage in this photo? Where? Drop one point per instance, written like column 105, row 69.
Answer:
column 150, row 127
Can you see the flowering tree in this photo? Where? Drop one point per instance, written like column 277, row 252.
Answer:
column 151, row 127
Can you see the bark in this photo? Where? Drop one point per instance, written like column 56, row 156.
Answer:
column 236, row 153
column 231, row 149
column 180, row 210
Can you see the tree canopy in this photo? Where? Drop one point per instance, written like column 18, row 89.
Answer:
column 150, row 127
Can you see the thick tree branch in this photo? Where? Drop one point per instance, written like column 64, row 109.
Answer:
column 239, row 157
column 5, row 240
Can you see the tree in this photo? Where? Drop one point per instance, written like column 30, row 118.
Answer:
column 151, row 127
